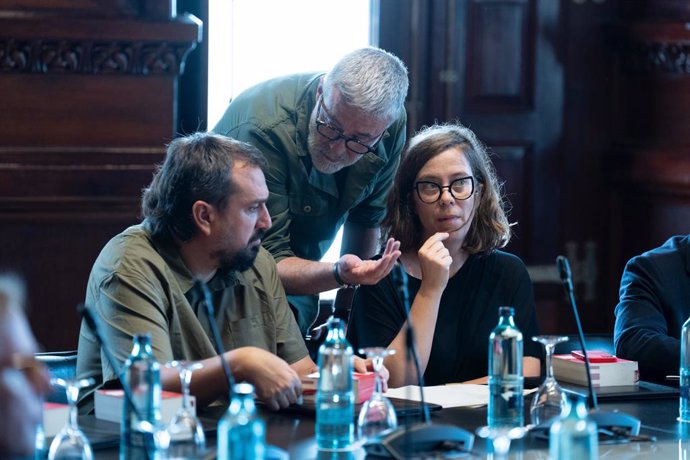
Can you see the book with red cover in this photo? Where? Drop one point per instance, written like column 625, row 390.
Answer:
column 363, row 386
column 108, row 405
column 616, row 372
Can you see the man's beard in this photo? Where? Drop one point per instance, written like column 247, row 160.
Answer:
column 244, row 258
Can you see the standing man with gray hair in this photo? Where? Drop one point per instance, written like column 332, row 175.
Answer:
column 333, row 143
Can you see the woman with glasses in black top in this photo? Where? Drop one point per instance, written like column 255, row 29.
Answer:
column 446, row 210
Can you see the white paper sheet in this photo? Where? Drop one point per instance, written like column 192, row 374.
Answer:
column 451, row 395
column 455, row 395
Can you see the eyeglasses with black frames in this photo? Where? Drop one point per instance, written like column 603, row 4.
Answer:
column 430, row 192
column 332, row 133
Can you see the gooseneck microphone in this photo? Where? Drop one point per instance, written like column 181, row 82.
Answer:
column 92, row 321
column 567, row 280
column 425, row 439
column 210, row 312
column 614, row 426
column 409, row 340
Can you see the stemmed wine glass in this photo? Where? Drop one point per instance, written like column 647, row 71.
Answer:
column 71, row 442
column 377, row 413
column 549, row 400
column 187, row 438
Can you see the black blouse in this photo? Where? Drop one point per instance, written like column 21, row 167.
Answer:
column 467, row 314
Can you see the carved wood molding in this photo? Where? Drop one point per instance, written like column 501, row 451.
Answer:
column 92, row 57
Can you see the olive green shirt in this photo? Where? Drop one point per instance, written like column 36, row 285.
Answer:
column 308, row 207
column 140, row 285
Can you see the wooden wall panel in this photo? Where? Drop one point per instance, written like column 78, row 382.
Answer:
column 88, row 100
column 103, row 111
column 501, row 53
column 512, row 164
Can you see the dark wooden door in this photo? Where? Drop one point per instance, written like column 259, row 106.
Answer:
column 526, row 76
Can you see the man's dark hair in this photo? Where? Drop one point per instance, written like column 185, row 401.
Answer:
column 196, row 167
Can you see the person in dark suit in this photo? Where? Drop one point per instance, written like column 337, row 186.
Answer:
column 654, row 303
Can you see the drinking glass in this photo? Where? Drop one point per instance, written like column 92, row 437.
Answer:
column 71, row 442
column 501, row 438
column 549, row 400
column 187, row 438
column 377, row 413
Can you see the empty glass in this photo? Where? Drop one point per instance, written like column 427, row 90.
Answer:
column 187, row 438
column 377, row 413
column 71, row 442
column 549, row 400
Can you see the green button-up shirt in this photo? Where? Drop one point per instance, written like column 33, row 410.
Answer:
column 141, row 285
column 308, row 207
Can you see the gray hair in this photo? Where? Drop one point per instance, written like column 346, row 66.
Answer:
column 372, row 80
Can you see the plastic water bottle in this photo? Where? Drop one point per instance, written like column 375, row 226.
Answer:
column 505, row 372
column 241, row 433
column 334, row 396
column 573, row 435
column 142, row 376
column 684, row 410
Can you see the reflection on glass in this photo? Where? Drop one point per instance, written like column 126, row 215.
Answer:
column 549, row 400
column 187, row 438
column 377, row 413
column 70, row 442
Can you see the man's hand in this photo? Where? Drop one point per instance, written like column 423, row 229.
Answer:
column 353, row 270
column 366, row 365
column 275, row 382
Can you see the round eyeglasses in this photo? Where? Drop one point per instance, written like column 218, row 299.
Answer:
column 430, row 192
column 332, row 133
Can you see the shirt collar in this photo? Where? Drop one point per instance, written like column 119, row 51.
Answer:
column 185, row 279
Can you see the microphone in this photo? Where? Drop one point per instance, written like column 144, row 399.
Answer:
column 567, row 280
column 271, row 451
column 614, row 425
column 92, row 321
column 208, row 304
column 420, row 439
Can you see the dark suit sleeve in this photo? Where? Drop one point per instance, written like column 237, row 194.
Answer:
column 641, row 330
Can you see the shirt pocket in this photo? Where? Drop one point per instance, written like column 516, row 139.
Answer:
column 254, row 331
column 306, row 206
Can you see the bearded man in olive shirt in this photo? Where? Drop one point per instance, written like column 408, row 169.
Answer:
column 333, row 143
column 205, row 214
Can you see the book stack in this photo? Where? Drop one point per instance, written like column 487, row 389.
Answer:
column 363, row 386
column 108, row 405
column 55, row 417
column 611, row 371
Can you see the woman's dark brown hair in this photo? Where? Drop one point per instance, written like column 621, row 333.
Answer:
column 489, row 229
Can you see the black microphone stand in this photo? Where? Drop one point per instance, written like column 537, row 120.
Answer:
column 567, row 280
column 425, row 438
column 210, row 312
column 92, row 321
column 271, row 450
column 614, row 426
